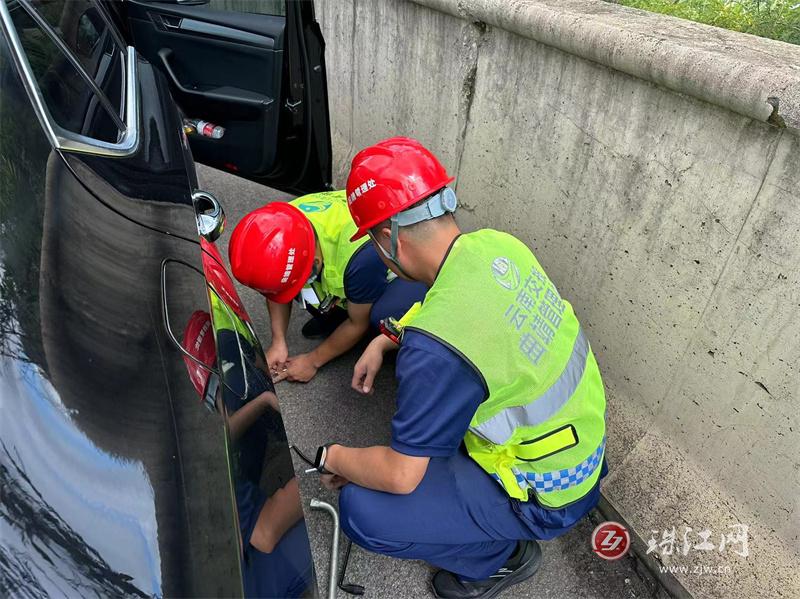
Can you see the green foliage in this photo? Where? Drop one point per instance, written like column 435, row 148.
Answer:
column 775, row 19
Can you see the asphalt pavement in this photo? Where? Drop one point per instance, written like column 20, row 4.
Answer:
column 327, row 409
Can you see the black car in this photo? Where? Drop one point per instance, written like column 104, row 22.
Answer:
column 142, row 452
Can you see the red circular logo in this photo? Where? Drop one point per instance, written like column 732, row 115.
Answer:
column 611, row 540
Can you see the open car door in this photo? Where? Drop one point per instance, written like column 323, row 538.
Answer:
column 254, row 68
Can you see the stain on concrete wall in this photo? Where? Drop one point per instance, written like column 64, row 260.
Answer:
column 671, row 224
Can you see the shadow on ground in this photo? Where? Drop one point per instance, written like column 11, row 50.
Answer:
column 327, row 409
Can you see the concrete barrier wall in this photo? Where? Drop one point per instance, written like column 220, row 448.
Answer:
column 654, row 167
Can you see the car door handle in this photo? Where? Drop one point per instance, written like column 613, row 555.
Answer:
column 165, row 315
column 171, row 22
column 226, row 94
column 209, row 214
column 168, row 326
column 165, row 54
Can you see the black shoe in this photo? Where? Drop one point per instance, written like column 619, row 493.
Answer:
column 520, row 566
column 320, row 327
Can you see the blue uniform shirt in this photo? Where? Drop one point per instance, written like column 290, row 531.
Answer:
column 365, row 276
column 438, row 393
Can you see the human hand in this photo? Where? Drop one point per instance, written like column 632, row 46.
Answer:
column 277, row 354
column 368, row 366
column 332, row 482
column 301, row 368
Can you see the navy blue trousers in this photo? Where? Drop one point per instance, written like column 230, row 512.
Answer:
column 458, row 518
column 398, row 297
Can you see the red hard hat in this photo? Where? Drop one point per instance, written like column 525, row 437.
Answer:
column 389, row 177
column 220, row 280
column 198, row 340
column 272, row 251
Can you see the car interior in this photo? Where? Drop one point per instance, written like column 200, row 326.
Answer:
column 258, row 75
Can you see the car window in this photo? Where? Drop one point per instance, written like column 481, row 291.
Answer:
column 86, row 43
column 262, row 7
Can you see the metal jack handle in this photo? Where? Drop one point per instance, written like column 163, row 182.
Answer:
column 352, row 589
column 316, row 504
column 347, row 587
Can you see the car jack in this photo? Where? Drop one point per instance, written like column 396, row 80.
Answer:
column 352, row 589
column 348, row 587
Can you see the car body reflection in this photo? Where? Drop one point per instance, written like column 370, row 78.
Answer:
column 276, row 559
column 49, row 474
column 115, row 482
column 270, row 514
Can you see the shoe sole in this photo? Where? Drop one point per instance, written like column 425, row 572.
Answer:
column 521, row 575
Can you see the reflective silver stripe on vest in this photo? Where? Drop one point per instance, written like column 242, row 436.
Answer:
column 499, row 428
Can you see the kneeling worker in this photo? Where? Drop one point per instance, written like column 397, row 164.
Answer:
column 499, row 434
column 302, row 250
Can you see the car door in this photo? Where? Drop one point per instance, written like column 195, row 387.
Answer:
column 256, row 70
column 225, row 363
column 110, row 471
column 119, row 482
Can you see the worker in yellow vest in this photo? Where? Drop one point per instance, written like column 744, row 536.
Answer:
column 302, row 250
column 498, row 439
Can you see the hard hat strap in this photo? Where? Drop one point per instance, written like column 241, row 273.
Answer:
column 441, row 203
column 395, row 233
column 391, row 257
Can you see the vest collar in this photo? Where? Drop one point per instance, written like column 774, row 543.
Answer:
column 446, row 255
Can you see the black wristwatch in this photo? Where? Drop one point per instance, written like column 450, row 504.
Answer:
column 322, row 455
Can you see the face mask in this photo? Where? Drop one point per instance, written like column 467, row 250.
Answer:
column 308, row 295
column 441, row 203
column 382, row 250
column 390, row 257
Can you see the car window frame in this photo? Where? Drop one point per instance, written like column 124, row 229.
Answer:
column 60, row 138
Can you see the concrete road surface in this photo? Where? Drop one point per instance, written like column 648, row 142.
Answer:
column 326, row 409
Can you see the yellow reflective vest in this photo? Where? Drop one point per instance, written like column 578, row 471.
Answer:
column 541, row 430
column 334, row 227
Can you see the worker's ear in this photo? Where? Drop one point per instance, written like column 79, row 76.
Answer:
column 385, row 234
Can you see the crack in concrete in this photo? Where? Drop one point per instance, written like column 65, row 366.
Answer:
column 699, row 322
column 771, row 157
column 353, row 58
column 775, row 118
column 473, row 35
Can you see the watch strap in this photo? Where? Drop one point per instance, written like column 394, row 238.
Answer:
column 322, row 457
